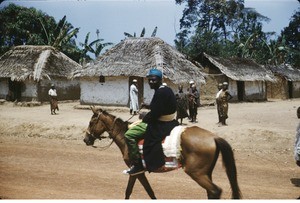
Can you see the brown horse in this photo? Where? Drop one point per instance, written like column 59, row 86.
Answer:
column 200, row 151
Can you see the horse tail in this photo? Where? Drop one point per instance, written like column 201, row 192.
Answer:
column 229, row 164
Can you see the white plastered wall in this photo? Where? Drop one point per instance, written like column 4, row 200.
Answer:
column 113, row 92
column 255, row 90
column 30, row 90
column 3, row 88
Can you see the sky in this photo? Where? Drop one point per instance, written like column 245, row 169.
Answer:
column 114, row 17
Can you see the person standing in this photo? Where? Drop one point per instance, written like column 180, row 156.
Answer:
column 190, row 99
column 194, row 102
column 218, row 101
column 224, row 97
column 133, row 94
column 53, row 99
column 182, row 104
column 160, row 121
column 297, row 141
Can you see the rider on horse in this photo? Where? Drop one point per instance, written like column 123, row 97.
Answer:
column 160, row 121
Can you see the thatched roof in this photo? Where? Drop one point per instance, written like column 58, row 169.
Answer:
column 286, row 71
column 136, row 56
column 241, row 69
column 35, row 63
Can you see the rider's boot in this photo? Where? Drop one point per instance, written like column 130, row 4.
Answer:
column 137, row 168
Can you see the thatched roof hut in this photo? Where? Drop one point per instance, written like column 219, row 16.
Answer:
column 288, row 82
column 35, row 63
column 135, row 56
column 241, row 69
column 247, row 79
column 286, row 71
column 27, row 71
column 131, row 59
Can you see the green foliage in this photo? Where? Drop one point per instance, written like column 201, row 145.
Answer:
column 142, row 33
column 290, row 38
column 223, row 28
column 20, row 25
column 95, row 47
column 226, row 28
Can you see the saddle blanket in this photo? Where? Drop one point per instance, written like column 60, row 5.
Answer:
column 171, row 147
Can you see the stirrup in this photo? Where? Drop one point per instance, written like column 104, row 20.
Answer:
column 133, row 171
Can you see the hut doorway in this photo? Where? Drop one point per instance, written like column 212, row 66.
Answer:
column 240, row 90
column 290, row 89
column 140, row 87
column 15, row 89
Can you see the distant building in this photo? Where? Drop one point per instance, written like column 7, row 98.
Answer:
column 107, row 79
column 27, row 72
column 246, row 79
column 287, row 85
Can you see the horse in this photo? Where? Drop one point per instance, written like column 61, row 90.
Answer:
column 200, row 151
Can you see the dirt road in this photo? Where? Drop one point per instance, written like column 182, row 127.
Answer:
column 44, row 157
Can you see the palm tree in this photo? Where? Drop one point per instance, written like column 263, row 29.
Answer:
column 62, row 34
column 99, row 46
column 142, row 33
column 94, row 47
column 62, row 38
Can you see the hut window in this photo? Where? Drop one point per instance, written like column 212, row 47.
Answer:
column 101, row 79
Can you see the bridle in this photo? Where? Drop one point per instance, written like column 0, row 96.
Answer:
column 108, row 130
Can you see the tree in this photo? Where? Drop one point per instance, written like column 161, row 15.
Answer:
column 62, row 37
column 95, row 47
column 20, row 25
column 219, row 27
column 290, row 36
column 142, row 33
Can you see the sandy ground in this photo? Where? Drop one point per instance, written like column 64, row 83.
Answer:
column 43, row 156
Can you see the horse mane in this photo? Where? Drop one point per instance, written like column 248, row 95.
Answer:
column 118, row 121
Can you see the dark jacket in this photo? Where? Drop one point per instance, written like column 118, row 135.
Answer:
column 163, row 103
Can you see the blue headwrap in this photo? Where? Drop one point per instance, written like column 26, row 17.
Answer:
column 156, row 72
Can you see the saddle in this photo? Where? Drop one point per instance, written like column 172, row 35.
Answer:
column 171, row 149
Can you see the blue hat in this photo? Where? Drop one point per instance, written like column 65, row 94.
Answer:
column 156, row 72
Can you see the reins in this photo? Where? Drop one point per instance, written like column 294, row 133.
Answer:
column 109, row 131
column 105, row 147
column 134, row 114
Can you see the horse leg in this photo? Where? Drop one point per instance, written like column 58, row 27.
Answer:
column 130, row 184
column 144, row 181
column 201, row 172
column 205, row 181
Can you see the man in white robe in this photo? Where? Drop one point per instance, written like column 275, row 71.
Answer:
column 134, row 101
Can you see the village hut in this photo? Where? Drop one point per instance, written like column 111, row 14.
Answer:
column 27, row 72
column 287, row 85
column 107, row 79
column 246, row 79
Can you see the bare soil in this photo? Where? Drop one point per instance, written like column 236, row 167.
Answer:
column 42, row 156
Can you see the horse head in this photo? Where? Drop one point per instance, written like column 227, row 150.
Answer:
column 96, row 127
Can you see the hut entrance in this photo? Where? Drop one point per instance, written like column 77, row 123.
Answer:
column 15, row 89
column 140, row 87
column 290, row 86
column 240, row 90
